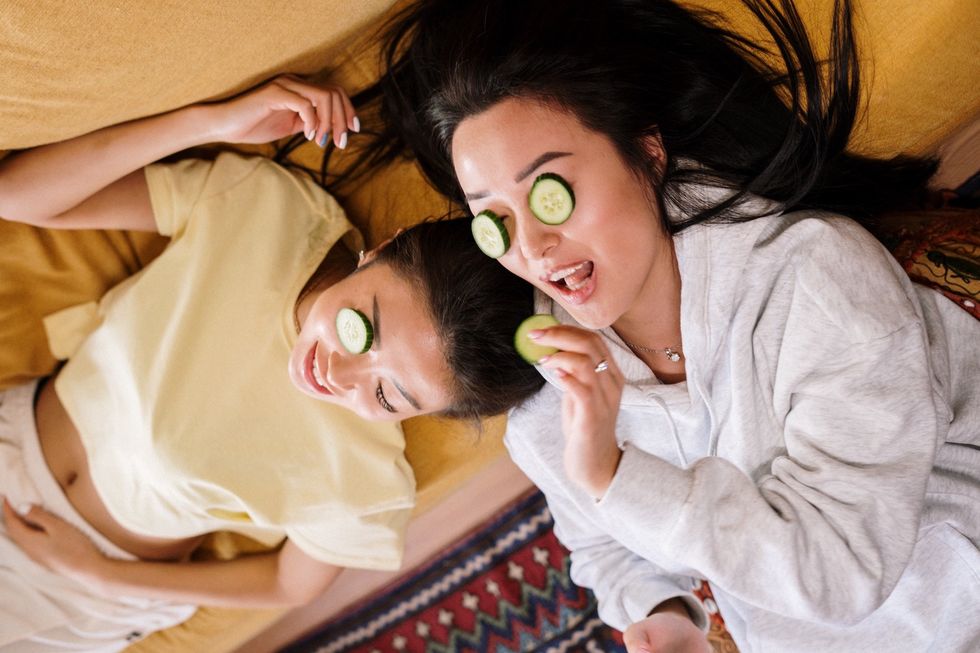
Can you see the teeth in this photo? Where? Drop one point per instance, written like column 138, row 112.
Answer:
column 564, row 272
column 576, row 285
column 316, row 373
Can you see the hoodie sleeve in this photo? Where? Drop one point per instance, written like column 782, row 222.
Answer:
column 627, row 586
column 823, row 530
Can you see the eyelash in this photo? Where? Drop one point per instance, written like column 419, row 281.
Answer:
column 379, row 393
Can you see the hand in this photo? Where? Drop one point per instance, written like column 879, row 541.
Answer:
column 53, row 542
column 282, row 107
column 665, row 632
column 590, row 404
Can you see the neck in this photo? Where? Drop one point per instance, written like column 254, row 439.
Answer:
column 654, row 318
column 653, row 322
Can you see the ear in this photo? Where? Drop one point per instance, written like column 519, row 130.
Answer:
column 654, row 146
column 365, row 257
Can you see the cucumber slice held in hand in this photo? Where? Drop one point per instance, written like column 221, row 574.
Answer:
column 529, row 350
column 490, row 234
column 551, row 199
column 354, row 330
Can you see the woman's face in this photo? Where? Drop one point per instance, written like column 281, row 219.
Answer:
column 403, row 374
column 597, row 263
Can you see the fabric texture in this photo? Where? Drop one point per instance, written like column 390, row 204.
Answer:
column 820, row 464
column 180, row 391
column 44, row 611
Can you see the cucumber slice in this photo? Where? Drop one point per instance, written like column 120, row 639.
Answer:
column 490, row 234
column 354, row 330
column 551, row 199
column 529, row 350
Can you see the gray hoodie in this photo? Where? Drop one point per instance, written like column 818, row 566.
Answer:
column 820, row 466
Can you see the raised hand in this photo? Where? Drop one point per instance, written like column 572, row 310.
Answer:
column 592, row 385
column 284, row 106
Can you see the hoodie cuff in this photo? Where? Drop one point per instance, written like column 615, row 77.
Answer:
column 639, row 604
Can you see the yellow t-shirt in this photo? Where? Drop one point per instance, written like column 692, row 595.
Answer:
column 179, row 388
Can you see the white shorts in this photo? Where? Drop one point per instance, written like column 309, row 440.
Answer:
column 40, row 610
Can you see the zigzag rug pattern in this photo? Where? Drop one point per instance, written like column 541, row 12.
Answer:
column 503, row 589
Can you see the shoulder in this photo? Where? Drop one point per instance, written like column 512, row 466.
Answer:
column 830, row 267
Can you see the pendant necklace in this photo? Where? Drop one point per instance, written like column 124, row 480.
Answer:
column 673, row 354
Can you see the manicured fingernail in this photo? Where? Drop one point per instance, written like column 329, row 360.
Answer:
column 343, row 141
column 543, row 359
column 323, row 141
column 357, row 125
column 23, row 508
column 534, row 334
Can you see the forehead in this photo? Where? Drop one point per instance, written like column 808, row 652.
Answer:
column 516, row 128
column 411, row 348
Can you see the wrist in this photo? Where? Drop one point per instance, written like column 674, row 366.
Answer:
column 97, row 574
column 675, row 606
column 197, row 124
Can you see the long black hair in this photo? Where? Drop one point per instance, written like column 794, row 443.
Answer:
column 634, row 69
column 476, row 305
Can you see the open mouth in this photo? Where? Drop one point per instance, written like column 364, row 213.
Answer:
column 312, row 372
column 575, row 283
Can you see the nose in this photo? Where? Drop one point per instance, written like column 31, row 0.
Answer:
column 345, row 371
column 534, row 238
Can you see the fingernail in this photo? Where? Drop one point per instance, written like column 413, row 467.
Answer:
column 543, row 359
column 343, row 141
column 323, row 141
column 534, row 334
column 357, row 124
column 23, row 508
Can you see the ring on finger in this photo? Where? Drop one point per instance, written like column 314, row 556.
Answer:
column 601, row 366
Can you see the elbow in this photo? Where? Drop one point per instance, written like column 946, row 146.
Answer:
column 299, row 594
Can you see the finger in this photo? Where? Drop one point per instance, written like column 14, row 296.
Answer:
column 581, row 366
column 302, row 106
column 339, row 121
column 18, row 524
column 570, row 338
column 320, row 105
column 352, row 120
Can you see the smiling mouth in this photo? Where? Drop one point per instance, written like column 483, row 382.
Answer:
column 575, row 283
column 312, row 372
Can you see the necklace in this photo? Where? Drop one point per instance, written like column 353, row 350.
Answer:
column 673, row 354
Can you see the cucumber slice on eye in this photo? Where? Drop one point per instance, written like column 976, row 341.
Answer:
column 354, row 330
column 529, row 350
column 551, row 199
column 490, row 234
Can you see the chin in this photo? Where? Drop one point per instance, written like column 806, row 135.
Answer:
column 590, row 319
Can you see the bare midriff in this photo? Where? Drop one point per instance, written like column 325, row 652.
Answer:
column 65, row 456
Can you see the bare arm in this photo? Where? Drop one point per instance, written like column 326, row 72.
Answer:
column 95, row 181
column 282, row 578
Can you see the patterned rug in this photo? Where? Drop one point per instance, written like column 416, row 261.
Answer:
column 503, row 589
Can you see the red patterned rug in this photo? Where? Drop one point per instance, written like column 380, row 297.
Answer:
column 503, row 589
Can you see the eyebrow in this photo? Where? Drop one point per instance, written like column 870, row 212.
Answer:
column 523, row 173
column 377, row 338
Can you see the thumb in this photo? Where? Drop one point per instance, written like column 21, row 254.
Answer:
column 31, row 514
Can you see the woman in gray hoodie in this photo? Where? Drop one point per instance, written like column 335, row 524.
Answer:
column 759, row 395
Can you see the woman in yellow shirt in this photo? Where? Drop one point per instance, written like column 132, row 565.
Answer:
column 177, row 412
